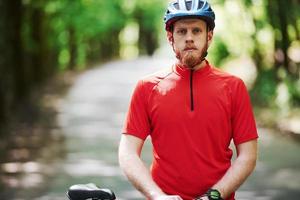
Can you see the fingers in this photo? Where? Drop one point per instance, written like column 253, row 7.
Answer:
column 204, row 198
column 168, row 197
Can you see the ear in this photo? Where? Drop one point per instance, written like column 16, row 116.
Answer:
column 170, row 37
column 210, row 35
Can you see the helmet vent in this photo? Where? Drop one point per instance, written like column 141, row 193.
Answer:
column 188, row 5
column 200, row 5
column 182, row 5
column 176, row 5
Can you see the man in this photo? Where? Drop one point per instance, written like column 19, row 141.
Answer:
column 191, row 112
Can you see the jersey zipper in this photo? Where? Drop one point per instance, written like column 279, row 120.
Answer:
column 191, row 90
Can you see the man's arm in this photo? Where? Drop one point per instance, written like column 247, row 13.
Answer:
column 136, row 171
column 240, row 169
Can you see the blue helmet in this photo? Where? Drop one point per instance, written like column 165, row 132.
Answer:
column 180, row 9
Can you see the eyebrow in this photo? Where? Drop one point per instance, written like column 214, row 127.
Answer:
column 193, row 24
column 193, row 27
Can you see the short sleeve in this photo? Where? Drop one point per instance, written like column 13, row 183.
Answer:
column 137, row 121
column 243, row 122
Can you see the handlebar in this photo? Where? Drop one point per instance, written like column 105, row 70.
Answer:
column 89, row 191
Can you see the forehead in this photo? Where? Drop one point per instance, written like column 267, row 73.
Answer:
column 189, row 22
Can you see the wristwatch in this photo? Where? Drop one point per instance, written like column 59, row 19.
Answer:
column 213, row 194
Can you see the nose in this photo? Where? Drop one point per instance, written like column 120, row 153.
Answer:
column 189, row 37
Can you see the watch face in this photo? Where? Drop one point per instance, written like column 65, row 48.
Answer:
column 214, row 194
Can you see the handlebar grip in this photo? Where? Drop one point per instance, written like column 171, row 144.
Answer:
column 89, row 191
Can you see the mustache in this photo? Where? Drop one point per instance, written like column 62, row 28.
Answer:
column 190, row 47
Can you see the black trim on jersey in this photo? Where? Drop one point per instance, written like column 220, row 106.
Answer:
column 191, row 90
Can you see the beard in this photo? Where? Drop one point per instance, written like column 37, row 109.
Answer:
column 190, row 58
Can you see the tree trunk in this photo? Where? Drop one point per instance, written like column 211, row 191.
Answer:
column 38, row 37
column 72, row 48
column 15, row 41
column 4, row 57
column 148, row 40
column 285, row 42
column 11, row 68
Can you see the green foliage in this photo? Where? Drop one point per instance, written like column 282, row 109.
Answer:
column 247, row 2
column 42, row 38
column 150, row 12
column 149, row 15
column 264, row 91
column 264, row 30
column 85, row 25
column 294, row 91
column 218, row 51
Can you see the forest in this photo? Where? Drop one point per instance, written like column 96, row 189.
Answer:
column 40, row 39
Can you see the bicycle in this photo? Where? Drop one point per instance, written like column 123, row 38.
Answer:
column 89, row 191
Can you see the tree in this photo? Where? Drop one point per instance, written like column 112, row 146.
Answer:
column 149, row 15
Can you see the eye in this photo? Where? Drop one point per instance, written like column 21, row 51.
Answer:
column 181, row 31
column 197, row 30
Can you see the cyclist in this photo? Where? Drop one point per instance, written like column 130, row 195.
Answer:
column 192, row 112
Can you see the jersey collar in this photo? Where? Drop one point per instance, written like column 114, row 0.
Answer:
column 182, row 71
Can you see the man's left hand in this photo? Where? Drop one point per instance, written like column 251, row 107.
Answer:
column 202, row 198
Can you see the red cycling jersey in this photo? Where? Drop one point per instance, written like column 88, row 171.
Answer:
column 191, row 116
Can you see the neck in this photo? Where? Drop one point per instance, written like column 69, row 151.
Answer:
column 200, row 65
column 196, row 67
